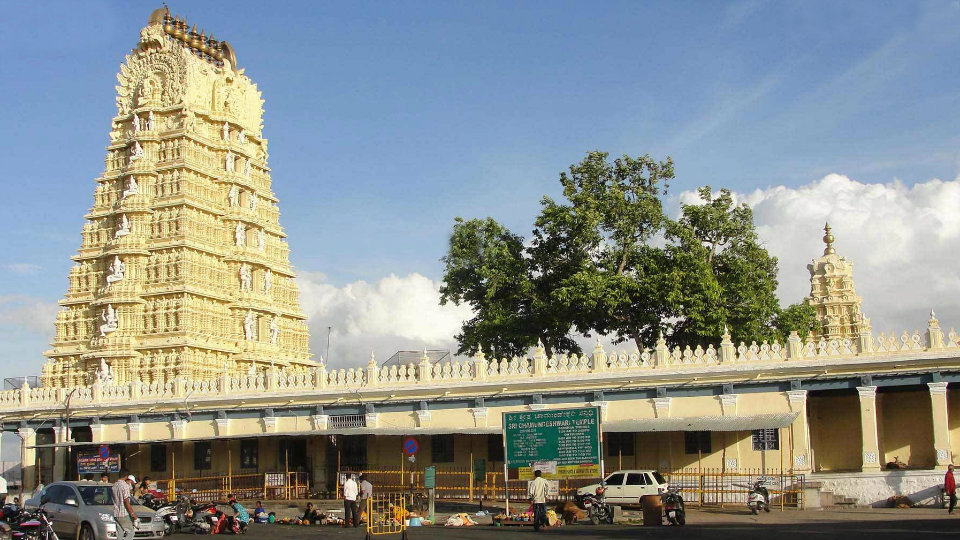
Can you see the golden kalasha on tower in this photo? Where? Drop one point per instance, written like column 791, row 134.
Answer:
column 183, row 269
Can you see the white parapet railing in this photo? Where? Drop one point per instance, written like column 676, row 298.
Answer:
column 647, row 364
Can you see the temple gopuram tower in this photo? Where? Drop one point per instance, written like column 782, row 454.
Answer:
column 832, row 294
column 183, row 270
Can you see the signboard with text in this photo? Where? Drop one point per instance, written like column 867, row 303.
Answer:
column 93, row 463
column 562, row 443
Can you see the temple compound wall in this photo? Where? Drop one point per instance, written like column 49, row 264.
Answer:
column 181, row 344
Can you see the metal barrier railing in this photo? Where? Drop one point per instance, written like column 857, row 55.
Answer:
column 267, row 486
column 387, row 514
column 702, row 487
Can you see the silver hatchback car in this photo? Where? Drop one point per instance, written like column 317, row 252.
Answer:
column 84, row 510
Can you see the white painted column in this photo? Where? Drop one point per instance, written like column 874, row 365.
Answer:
column 941, row 423
column 800, row 430
column 28, row 458
column 868, row 429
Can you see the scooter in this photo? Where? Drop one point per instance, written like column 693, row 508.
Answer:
column 597, row 508
column 673, row 507
column 758, row 498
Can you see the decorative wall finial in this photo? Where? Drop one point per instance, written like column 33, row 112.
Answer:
column 828, row 239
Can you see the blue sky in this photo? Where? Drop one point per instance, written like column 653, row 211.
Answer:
column 388, row 119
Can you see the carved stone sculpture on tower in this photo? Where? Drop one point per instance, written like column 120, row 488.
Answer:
column 254, row 202
column 261, row 240
column 136, row 123
column 109, row 319
column 242, row 136
column 247, row 170
column 274, row 329
column 229, row 165
column 268, row 281
column 136, row 152
column 132, row 188
column 246, row 280
column 150, row 121
column 104, row 375
column 116, row 271
column 123, row 226
column 226, row 131
column 234, row 195
column 248, row 326
column 240, row 235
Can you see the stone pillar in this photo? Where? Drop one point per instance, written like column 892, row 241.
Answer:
column 728, row 352
column 479, row 416
column 604, row 405
column 28, row 456
column 800, row 431
column 661, row 351
column 480, row 366
column 941, row 425
column 661, row 407
column 599, row 358
column 223, row 427
column 934, row 334
column 373, row 372
column 423, row 418
column 794, row 346
column 539, row 360
column 728, row 404
column 97, row 432
column 59, row 453
column 320, row 421
column 425, row 369
column 868, row 428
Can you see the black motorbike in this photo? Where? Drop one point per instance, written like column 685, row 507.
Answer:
column 598, row 510
column 673, row 507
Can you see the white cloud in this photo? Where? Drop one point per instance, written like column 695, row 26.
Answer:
column 28, row 312
column 903, row 241
column 23, row 268
column 395, row 313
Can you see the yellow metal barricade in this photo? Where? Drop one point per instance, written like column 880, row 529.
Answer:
column 387, row 514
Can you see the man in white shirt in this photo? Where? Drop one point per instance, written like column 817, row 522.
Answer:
column 538, row 496
column 123, row 513
column 351, row 512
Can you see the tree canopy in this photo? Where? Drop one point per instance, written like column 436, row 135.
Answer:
column 608, row 260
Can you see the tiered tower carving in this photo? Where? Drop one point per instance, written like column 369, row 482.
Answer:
column 183, row 270
column 832, row 294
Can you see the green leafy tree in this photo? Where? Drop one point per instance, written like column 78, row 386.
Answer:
column 615, row 282
column 739, row 288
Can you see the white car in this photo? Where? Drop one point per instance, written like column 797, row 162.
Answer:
column 626, row 487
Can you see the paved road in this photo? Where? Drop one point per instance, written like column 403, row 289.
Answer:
column 715, row 525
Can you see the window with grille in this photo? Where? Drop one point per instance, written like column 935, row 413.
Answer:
column 766, row 439
column 494, row 447
column 619, row 444
column 441, row 448
column 249, row 454
column 202, row 456
column 158, row 458
column 696, row 442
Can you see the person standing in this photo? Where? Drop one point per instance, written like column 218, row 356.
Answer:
column 123, row 512
column 950, row 488
column 351, row 512
column 538, row 496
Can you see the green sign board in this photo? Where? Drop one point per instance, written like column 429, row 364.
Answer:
column 562, row 443
column 479, row 470
column 430, row 477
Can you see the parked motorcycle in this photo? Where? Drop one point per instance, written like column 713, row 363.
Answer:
column 165, row 510
column 758, row 498
column 598, row 510
column 34, row 525
column 673, row 506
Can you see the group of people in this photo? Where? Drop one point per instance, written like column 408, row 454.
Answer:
column 355, row 491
